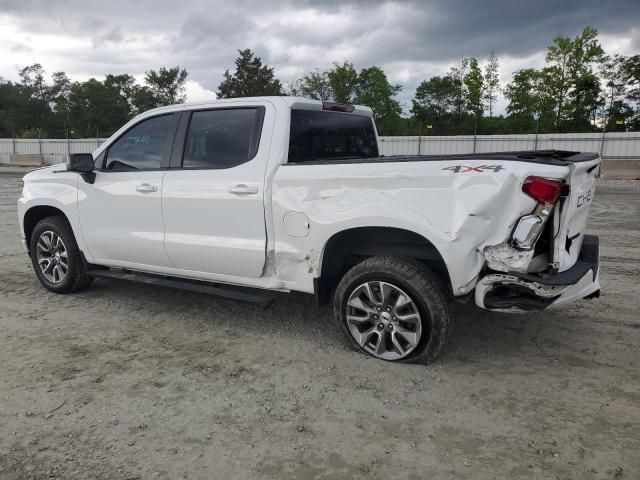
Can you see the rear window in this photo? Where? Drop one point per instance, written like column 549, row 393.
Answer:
column 321, row 135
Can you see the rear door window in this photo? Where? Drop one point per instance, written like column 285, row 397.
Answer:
column 222, row 138
column 330, row 136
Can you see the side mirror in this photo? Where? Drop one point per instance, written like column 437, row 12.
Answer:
column 83, row 164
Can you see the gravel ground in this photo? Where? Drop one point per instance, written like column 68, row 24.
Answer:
column 128, row 381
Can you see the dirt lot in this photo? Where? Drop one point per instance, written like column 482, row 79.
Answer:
column 127, row 382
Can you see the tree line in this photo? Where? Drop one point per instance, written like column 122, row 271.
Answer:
column 36, row 108
column 580, row 89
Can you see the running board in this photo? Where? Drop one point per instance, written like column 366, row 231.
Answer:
column 234, row 293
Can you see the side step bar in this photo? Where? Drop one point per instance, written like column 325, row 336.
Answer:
column 234, row 293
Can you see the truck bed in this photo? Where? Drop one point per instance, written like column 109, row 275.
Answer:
column 548, row 157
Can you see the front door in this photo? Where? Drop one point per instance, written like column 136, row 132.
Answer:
column 121, row 212
column 213, row 202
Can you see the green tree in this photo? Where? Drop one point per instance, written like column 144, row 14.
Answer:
column 121, row 88
column 437, row 103
column 60, row 93
column 14, row 108
column 474, row 83
column 530, row 99
column 570, row 60
column 621, row 117
column 35, row 106
column 32, row 78
column 632, row 75
column 36, row 97
column 584, row 102
column 491, row 81
column 523, row 92
column 250, row 79
column 631, row 71
column 143, row 99
column 374, row 90
column 314, row 85
column 167, row 84
column 615, row 74
column 435, row 98
column 97, row 108
column 343, row 80
column 457, row 73
column 338, row 84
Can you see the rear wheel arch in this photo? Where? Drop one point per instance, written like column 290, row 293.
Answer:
column 347, row 248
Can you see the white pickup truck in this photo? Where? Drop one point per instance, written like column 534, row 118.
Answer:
column 285, row 193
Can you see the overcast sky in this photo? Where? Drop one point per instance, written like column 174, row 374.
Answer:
column 410, row 40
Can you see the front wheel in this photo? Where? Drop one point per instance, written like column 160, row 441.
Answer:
column 56, row 258
column 395, row 309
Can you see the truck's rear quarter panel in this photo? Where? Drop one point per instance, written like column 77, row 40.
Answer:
column 459, row 210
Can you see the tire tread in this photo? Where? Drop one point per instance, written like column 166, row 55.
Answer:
column 81, row 280
column 424, row 282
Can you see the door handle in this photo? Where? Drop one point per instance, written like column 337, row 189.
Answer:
column 146, row 188
column 242, row 189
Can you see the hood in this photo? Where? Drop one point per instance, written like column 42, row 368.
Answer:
column 44, row 172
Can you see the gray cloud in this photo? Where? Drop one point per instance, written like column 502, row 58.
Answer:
column 410, row 39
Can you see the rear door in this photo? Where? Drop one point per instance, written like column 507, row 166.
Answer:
column 213, row 196
column 121, row 212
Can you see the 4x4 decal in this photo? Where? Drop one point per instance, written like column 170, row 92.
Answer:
column 479, row 169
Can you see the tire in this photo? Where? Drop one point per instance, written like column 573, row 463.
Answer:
column 417, row 313
column 75, row 278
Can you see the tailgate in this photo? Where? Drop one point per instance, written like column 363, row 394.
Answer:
column 573, row 210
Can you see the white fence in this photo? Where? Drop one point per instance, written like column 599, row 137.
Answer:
column 612, row 146
column 52, row 150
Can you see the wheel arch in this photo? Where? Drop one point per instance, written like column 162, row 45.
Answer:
column 36, row 213
column 349, row 247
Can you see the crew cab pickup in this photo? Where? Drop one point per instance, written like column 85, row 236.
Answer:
column 286, row 193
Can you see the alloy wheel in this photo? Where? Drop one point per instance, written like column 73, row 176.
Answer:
column 384, row 320
column 52, row 257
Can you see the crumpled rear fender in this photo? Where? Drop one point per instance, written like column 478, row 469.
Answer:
column 459, row 213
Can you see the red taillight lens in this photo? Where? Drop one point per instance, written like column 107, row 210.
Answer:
column 544, row 190
column 338, row 107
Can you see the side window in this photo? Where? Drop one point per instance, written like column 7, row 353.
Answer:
column 222, row 138
column 318, row 135
column 143, row 146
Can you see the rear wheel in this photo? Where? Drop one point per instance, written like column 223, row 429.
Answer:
column 394, row 309
column 56, row 258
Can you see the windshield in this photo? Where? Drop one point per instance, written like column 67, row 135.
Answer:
column 321, row 135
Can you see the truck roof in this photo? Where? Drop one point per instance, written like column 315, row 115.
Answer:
column 290, row 101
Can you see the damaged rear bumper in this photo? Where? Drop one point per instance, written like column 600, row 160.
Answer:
column 509, row 291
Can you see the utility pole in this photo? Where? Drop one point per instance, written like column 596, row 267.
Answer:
column 66, row 134
column 475, row 133
column 40, row 145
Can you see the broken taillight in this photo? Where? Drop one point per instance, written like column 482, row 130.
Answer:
column 544, row 190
